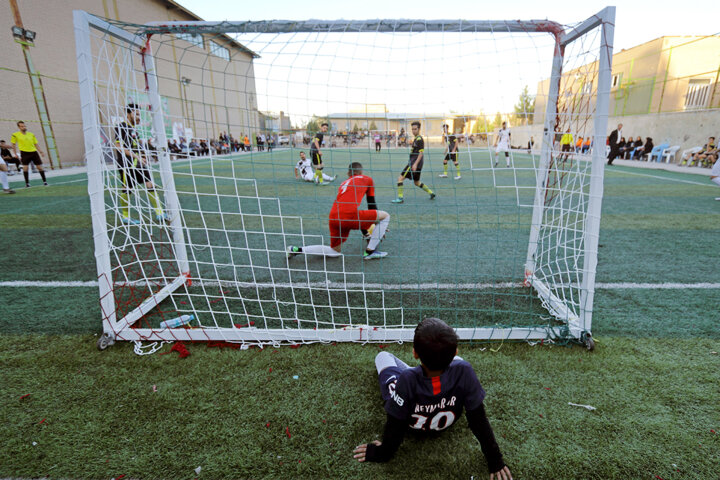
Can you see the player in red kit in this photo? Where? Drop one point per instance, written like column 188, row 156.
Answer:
column 346, row 215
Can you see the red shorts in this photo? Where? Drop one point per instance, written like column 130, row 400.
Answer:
column 342, row 222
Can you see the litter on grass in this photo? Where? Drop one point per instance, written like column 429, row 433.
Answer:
column 589, row 407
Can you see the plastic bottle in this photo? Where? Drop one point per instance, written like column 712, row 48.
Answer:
column 177, row 321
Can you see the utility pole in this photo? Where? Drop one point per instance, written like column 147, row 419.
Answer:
column 26, row 38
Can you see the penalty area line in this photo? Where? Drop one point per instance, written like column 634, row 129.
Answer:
column 370, row 286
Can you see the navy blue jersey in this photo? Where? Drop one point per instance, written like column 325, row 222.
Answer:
column 434, row 403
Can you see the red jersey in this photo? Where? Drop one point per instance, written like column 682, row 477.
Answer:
column 351, row 193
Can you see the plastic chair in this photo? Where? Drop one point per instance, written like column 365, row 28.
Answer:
column 669, row 154
column 657, row 152
column 686, row 156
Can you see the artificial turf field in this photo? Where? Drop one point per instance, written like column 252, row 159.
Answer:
column 241, row 414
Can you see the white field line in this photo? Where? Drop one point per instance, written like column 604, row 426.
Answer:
column 377, row 286
column 704, row 184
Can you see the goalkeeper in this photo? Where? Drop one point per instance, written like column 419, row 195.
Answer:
column 430, row 397
column 346, row 216
column 132, row 165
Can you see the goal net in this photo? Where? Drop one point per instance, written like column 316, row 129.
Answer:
column 193, row 133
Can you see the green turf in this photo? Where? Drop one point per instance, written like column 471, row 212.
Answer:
column 227, row 411
column 653, row 376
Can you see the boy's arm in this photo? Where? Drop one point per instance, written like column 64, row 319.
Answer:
column 480, row 426
column 382, row 452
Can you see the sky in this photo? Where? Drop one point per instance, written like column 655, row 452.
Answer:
column 319, row 82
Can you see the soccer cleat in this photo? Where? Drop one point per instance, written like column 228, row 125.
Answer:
column 332, row 179
column 717, row 198
column 8, row 190
column 443, row 175
column 432, row 196
column 129, row 221
column 162, row 217
column 458, row 177
column 374, row 255
column 398, row 200
column 27, row 185
column 45, row 183
column 292, row 251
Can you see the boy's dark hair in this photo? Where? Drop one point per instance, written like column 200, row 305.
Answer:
column 355, row 168
column 415, row 123
column 19, row 122
column 713, row 138
column 435, row 342
column 324, row 124
column 131, row 107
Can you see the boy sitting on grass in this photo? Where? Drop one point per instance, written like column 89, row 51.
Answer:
column 432, row 396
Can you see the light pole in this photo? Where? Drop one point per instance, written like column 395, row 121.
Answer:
column 189, row 112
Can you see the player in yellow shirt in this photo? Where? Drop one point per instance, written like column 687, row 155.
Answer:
column 29, row 152
column 566, row 144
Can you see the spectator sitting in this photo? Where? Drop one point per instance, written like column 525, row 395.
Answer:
column 621, row 144
column 628, row 148
column 578, row 145
column 586, row 145
column 7, row 155
column 707, row 156
column 640, row 152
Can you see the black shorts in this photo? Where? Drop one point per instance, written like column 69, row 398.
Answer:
column 451, row 156
column 27, row 157
column 315, row 157
column 408, row 173
column 566, row 148
column 132, row 176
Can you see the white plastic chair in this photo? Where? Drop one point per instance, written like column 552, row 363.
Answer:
column 668, row 155
column 686, row 154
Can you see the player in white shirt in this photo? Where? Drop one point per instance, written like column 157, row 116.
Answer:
column 502, row 144
column 304, row 170
column 715, row 175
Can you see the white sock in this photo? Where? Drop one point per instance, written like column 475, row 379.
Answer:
column 320, row 250
column 384, row 360
column 715, row 180
column 327, row 177
column 4, row 179
column 378, row 233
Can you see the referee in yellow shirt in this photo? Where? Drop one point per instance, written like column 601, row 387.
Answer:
column 566, row 143
column 27, row 144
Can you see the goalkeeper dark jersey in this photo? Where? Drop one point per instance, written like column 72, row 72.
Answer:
column 452, row 143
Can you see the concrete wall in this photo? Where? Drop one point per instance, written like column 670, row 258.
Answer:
column 222, row 93
column 687, row 129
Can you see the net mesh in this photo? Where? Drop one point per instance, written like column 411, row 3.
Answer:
column 237, row 109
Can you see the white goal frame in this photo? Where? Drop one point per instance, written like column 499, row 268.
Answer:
column 576, row 327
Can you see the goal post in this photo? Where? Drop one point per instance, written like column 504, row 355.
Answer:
column 201, row 235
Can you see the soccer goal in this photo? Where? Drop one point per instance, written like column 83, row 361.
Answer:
column 193, row 129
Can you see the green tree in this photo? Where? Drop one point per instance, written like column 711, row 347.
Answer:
column 372, row 126
column 525, row 108
column 356, row 129
column 314, row 123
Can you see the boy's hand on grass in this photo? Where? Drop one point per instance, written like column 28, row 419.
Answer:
column 361, row 449
column 503, row 474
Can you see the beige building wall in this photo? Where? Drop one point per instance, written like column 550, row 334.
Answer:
column 653, row 77
column 222, row 94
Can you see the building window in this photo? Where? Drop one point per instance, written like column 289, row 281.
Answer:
column 698, row 94
column 615, row 81
column 193, row 38
column 587, row 88
column 219, row 51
